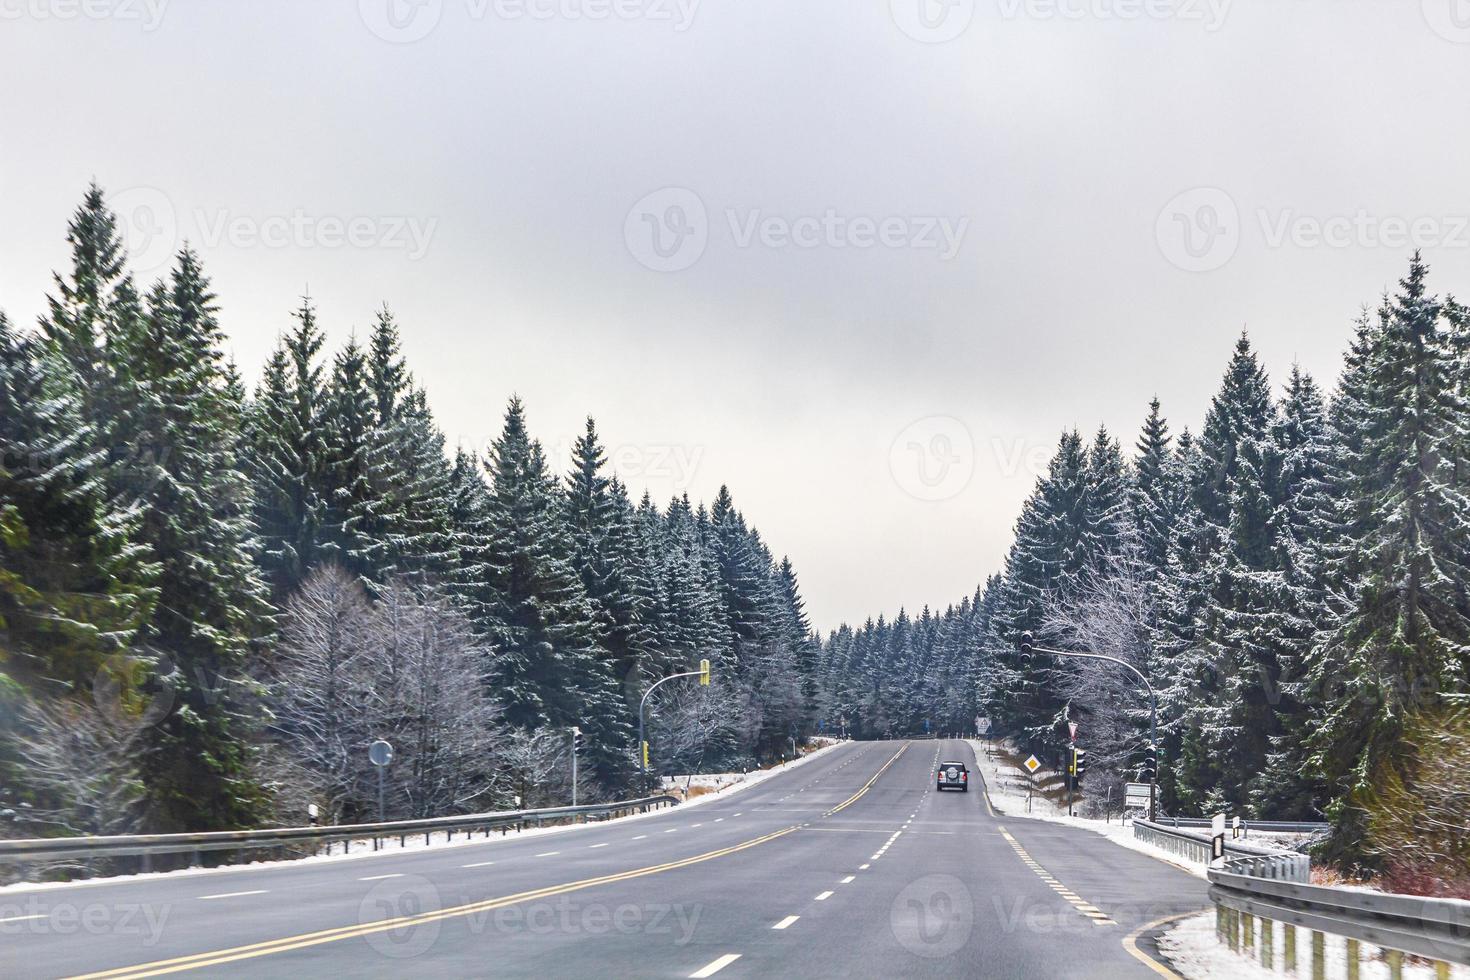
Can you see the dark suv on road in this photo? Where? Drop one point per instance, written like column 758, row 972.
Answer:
column 953, row 775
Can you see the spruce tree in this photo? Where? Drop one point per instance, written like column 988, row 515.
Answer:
column 211, row 602
column 1400, row 650
column 74, row 581
column 288, row 457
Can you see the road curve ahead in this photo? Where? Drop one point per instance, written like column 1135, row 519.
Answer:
column 850, row 865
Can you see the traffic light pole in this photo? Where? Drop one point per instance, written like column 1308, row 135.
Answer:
column 1153, row 707
column 702, row 673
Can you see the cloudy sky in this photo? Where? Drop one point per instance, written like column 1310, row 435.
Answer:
column 861, row 259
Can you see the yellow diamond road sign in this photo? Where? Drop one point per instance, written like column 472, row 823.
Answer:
column 1032, row 764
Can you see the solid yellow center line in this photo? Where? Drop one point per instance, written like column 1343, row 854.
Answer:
column 218, row 957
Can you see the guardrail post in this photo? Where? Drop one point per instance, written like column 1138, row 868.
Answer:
column 1234, row 930
column 1319, row 956
column 1268, row 954
column 1395, row 964
column 1354, row 959
column 1250, row 932
column 1220, row 923
column 1441, row 970
column 1288, row 947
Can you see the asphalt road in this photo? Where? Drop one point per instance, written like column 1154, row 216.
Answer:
column 850, row 865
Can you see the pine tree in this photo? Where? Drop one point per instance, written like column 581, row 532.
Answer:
column 288, row 457
column 355, row 514
column 548, row 667
column 1401, row 648
column 1283, row 791
column 211, row 602
column 1152, row 492
column 74, row 582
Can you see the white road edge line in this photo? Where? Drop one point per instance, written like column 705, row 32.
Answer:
column 258, row 891
column 396, row 874
column 715, row 967
column 786, row 922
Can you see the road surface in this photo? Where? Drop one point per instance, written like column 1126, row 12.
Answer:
column 850, row 865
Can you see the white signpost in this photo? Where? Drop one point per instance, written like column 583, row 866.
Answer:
column 1217, row 839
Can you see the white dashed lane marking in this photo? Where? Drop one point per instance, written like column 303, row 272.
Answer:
column 478, row 864
column 715, row 967
column 547, row 854
column 258, row 891
column 784, row 923
column 381, row 877
column 824, row 896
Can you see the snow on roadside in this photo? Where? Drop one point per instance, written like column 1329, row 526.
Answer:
column 721, row 784
column 1192, row 948
column 1007, row 800
column 415, row 842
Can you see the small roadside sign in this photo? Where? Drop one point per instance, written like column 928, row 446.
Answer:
column 1135, row 796
column 1217, row 837
column 982, row 725
column 1032, row 764
column 1072, row 727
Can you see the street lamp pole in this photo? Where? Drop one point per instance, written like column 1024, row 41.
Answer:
column 1027, row 646
column 702, row 673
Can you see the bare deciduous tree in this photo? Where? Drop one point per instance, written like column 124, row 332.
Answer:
column 82, row 767
column 1111, row 614
column 406, row 669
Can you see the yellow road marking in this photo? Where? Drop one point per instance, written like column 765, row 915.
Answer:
column 1130, row 943
column 868, row 785
column 200, row 960
column 1073, row 899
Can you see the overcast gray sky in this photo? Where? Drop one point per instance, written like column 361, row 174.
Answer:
column 861, row 259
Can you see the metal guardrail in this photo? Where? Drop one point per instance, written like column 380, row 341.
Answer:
column 1259, row 889
column 51, row 849
column 1247, row 909
column 1197, row 849
column 1263, row 826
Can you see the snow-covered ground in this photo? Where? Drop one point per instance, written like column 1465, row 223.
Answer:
column 1194, row 950
column 1001, row 780
column 718, row 785
column 725, row 783
column 1191, row 944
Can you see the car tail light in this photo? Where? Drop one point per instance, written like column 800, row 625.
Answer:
column 964, row 777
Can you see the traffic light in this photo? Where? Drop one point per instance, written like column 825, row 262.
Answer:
column 704, row 673
column 1079, row 764
column 1150, row 765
